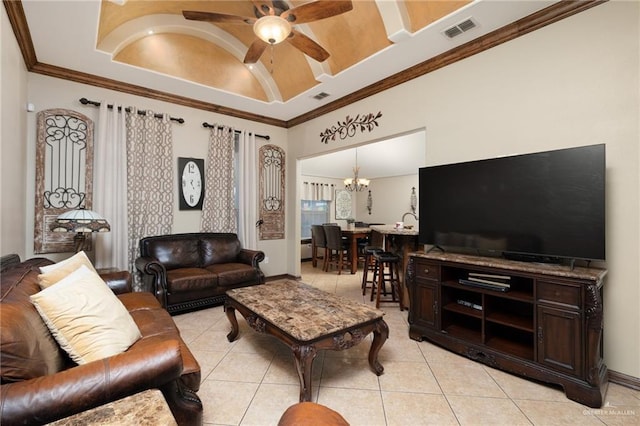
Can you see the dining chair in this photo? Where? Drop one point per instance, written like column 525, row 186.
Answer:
column 337, row 248
column 318, row 241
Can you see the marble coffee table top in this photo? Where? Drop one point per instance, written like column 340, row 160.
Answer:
column 147, row 408
column 303, row 311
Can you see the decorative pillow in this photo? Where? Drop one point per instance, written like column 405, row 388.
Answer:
column 85, row 317
column 51, row 274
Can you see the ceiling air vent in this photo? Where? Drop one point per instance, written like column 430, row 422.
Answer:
column 460, row 27
column 320, row 96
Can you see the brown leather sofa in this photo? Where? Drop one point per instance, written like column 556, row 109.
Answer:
column 194, row 270
column 40, row 383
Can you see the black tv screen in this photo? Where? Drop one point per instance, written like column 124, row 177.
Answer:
column 542, row 206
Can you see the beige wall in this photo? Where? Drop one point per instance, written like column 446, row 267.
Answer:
column 189, row 140
column 13, row 90
column 569, row 84
column 391, row 199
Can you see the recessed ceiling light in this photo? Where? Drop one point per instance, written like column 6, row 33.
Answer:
column 150, row 32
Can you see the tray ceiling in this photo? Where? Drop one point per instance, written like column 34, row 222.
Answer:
column 149, row 44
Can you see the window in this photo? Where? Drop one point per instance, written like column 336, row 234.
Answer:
column 313, row 213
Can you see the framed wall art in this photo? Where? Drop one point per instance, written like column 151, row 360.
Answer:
column 271, row 192
column 343, row 204
column 64, row 175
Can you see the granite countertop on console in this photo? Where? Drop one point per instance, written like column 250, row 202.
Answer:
column 592, row 274
column 392, row 230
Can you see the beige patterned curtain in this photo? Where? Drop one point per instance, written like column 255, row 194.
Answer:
column 219, row 209
column 150, row 175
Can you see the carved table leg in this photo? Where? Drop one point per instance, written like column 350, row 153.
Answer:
column 380, row 335
column 231, row 315
column 304, row 356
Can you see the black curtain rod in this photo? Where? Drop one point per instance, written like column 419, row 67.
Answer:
column 211, row 126
column 85, row 101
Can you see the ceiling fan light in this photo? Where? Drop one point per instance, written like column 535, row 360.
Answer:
column 272, row 29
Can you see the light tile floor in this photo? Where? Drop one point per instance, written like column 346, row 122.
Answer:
column 252, row 380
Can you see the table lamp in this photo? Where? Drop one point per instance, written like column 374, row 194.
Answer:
column 80, row 221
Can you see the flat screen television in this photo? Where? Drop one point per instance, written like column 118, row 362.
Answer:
column 547, row 206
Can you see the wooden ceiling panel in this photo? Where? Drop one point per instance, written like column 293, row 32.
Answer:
column 113, row 15
column 349, row 38
column 352, row 36
column 193, row 59
column 423, row 13
column 291, row 70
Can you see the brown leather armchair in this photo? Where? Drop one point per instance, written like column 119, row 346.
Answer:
column 41, row 384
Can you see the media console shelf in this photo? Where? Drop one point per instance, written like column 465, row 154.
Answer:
column 539, row 321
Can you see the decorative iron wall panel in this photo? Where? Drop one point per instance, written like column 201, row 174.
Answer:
column 271, row 209
column 64, row 174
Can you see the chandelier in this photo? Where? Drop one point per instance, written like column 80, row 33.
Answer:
column 355, row 183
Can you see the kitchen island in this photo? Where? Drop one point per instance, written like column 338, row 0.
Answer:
column 400, row 242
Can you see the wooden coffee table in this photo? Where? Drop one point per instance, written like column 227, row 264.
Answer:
column 307, row 319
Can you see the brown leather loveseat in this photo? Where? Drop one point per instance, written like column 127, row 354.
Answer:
column 40, row 383
column 194, row 270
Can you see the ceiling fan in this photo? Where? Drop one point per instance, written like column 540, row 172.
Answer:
column 273, row 24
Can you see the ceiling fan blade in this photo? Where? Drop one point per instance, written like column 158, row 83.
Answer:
column 195, row 15
column 265, row 7
column 256, row 50
column 308, row 46
column 309, row 12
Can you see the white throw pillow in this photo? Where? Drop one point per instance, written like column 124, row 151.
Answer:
column 85, row 317
column 51, row 274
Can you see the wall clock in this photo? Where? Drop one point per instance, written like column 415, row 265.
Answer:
column 191, row 183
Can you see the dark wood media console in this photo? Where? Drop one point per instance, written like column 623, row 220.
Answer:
column 539, row 321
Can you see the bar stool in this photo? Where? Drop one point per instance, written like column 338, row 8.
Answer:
column 391, row 261
column 376, row 244
column 370, row 265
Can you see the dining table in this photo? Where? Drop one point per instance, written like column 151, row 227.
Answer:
column 353, row 234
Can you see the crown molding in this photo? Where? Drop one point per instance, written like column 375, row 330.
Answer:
column 535, row 21
column 18, row 20
column 119, row 86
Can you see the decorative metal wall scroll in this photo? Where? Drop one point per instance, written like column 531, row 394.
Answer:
column 369, row 202
column 64, row 174
column 271, row 209
column 350, row 126
column 413, row 200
